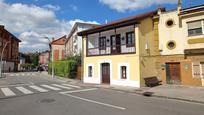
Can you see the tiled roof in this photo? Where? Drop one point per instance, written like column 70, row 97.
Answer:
column 119, row 23
column 59, row 41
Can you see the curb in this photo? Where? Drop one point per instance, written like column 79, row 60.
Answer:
column 157, row 96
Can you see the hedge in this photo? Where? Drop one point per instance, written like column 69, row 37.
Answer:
column 66, row 68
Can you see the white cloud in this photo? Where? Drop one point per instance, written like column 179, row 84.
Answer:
column 51, row 7
column 31, row 23
column 125, row 5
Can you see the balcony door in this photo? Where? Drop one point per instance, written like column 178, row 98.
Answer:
column 115, row 44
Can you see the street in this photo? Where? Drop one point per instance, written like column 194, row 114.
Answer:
column 36, row 94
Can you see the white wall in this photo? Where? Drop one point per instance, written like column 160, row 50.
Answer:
column 185, row 31
column 173, row 33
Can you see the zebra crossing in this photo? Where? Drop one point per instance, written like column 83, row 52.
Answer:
column 22, row 74
column 32, row 89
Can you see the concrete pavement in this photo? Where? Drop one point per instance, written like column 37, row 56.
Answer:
column 87, row 100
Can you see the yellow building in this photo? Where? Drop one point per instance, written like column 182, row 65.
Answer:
column 121, row 52
column 181, row 45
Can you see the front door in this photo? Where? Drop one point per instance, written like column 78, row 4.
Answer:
column 105, row 73
column 173, row 74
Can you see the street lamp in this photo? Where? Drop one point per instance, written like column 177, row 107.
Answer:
column 52, row 60
column 2, row 53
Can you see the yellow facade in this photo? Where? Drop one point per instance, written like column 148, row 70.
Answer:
column 141, row 64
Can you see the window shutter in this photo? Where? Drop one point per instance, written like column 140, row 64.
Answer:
column 196, row 70
column 194, row 25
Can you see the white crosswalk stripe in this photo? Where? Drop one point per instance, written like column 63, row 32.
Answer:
column 7, row 92
column 50, row 87
column 74, row 86
column 38, row 88
column 24, row 90
column 61, row 86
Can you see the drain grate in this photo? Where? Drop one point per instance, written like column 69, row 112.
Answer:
column 148, row 94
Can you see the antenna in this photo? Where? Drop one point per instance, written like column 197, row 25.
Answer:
column 106, row 21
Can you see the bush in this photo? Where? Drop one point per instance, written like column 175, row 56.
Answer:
column 64, row 68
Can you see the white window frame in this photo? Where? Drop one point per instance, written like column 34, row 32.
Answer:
column 87, row 70
column 201, row 72
column 127, row 71
column 202, row 26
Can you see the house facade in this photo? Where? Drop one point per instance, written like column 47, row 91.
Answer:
column 122, row 52
column 58, row 48
column 11, row 52
column 181, row 45
column 73, row 43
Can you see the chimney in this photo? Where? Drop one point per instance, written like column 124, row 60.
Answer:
column 53, row 39
column 1, row 26
column 179, row 7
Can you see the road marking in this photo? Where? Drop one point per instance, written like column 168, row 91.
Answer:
column 50, row 87
column 71, row 85
column 7, row 92
column 61, row 86
column 17, row 85
column 83, row 90
column 24, row 90
column 38, row 88
column 96, row 102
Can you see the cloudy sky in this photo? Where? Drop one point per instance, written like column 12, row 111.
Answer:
column 31, row 20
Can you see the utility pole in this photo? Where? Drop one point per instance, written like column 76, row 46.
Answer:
column 2, row 53
column 52, row 60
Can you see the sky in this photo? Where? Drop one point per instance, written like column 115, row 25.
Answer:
column 32, row 20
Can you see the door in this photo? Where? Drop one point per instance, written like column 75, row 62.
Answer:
column 118, row 43
column 173, row 73
column 115, row 44
column 105, row 73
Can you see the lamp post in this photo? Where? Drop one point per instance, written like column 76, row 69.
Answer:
column 2, row 53
column 52, row 60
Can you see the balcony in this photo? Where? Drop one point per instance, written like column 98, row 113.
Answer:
column 112, row 50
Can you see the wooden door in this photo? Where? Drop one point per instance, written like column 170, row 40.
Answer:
column 115, row 44
column 105, row 73
column 118, row 44
column 173, row 73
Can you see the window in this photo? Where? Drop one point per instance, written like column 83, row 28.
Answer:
column 169, row 23
column 123, row 72
column 130, row 39
column 202, row 69
column 195, row 28
column 198, row 69
column 90, row 71
column 171, row 45
column 102, row 43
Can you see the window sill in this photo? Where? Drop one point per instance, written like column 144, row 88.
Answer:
column 195, row 35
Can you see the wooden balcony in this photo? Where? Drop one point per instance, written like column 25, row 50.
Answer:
column 112, row 50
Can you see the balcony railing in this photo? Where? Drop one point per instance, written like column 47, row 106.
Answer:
column 112, row 50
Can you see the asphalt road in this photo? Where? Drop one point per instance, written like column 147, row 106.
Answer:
column 80, row 100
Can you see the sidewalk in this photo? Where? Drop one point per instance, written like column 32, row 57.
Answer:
column 178, row 92
column 57, row 78
column 184, row 93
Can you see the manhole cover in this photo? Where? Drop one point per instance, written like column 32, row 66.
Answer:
column 47, row 100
